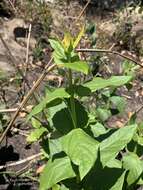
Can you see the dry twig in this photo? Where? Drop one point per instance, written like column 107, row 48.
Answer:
column 28, row 44
column 33, row 157
column 82, row 11
column 25, row 100
column 110, row 52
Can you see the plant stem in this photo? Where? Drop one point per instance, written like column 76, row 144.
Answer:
column 72, row 102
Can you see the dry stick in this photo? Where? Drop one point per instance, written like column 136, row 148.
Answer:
column 110, row 52
column 28, row 44
column 11, row 110
column 27, row 57
column 26, row 65
column 25, row 100
column 12, row 6
column 27, row 52
column 83, row 10
column 22, row 161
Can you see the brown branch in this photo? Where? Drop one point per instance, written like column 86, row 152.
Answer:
column 82, row 11
column 28, row 44
column 25, row 100
column 22, row 161
column 110, row 52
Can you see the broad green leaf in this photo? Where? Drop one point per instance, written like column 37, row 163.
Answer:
column 56, row 187
column 102, row 178
column 80, row 66
column 140, row 140
column 81, row 91
column 59, row 187
column 119, row 184
column 56, row 171
column 52, row 111
column 119, row 102
column 59, row 93
column 58, row 48
column 140, row 182
column 77, row 40
column 64, row 187
column 35, row 123
column 55, row 146
column 110, row 147
column 58, row 59
column 103, row 114
column 140, row 129
column 62, row 121
column 81, row 114
column 36, row 134
column 114, row 164
column 132, row 163
column 98, row 129
column 82, row 150
column 98, row 83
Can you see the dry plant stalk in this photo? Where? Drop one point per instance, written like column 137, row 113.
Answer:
column 25, row 100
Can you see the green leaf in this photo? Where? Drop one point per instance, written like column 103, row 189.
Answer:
column 81, row 114
column 55, row 146
column 98, row 129
column 80, row 66
column 110, row 147
column 102, row 178
column 61, row 118
column 58, row 48
column 56, row 187
column 119, row 184
column 81, row 91
column 36, row 134
column 103, row 114
column 82, row 150
column 37, row 109
column 140, row 129
column 35, row 123
column 62, row 121
column 59, row 93
column 59, row 60
column 56, row 171
column 67, row 41
column 52, row 111
column 119, row 102
column 114, row 164
column 77, row 40
column 132, row 163
column 140, row 140
column 140, row 182
column 98, row 83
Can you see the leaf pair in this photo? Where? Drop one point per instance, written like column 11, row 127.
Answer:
column 83, row 90
column 83, row 151
column 64, row 55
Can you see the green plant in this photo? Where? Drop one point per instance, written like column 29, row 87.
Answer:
column 129, row 68
column 82, row 153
